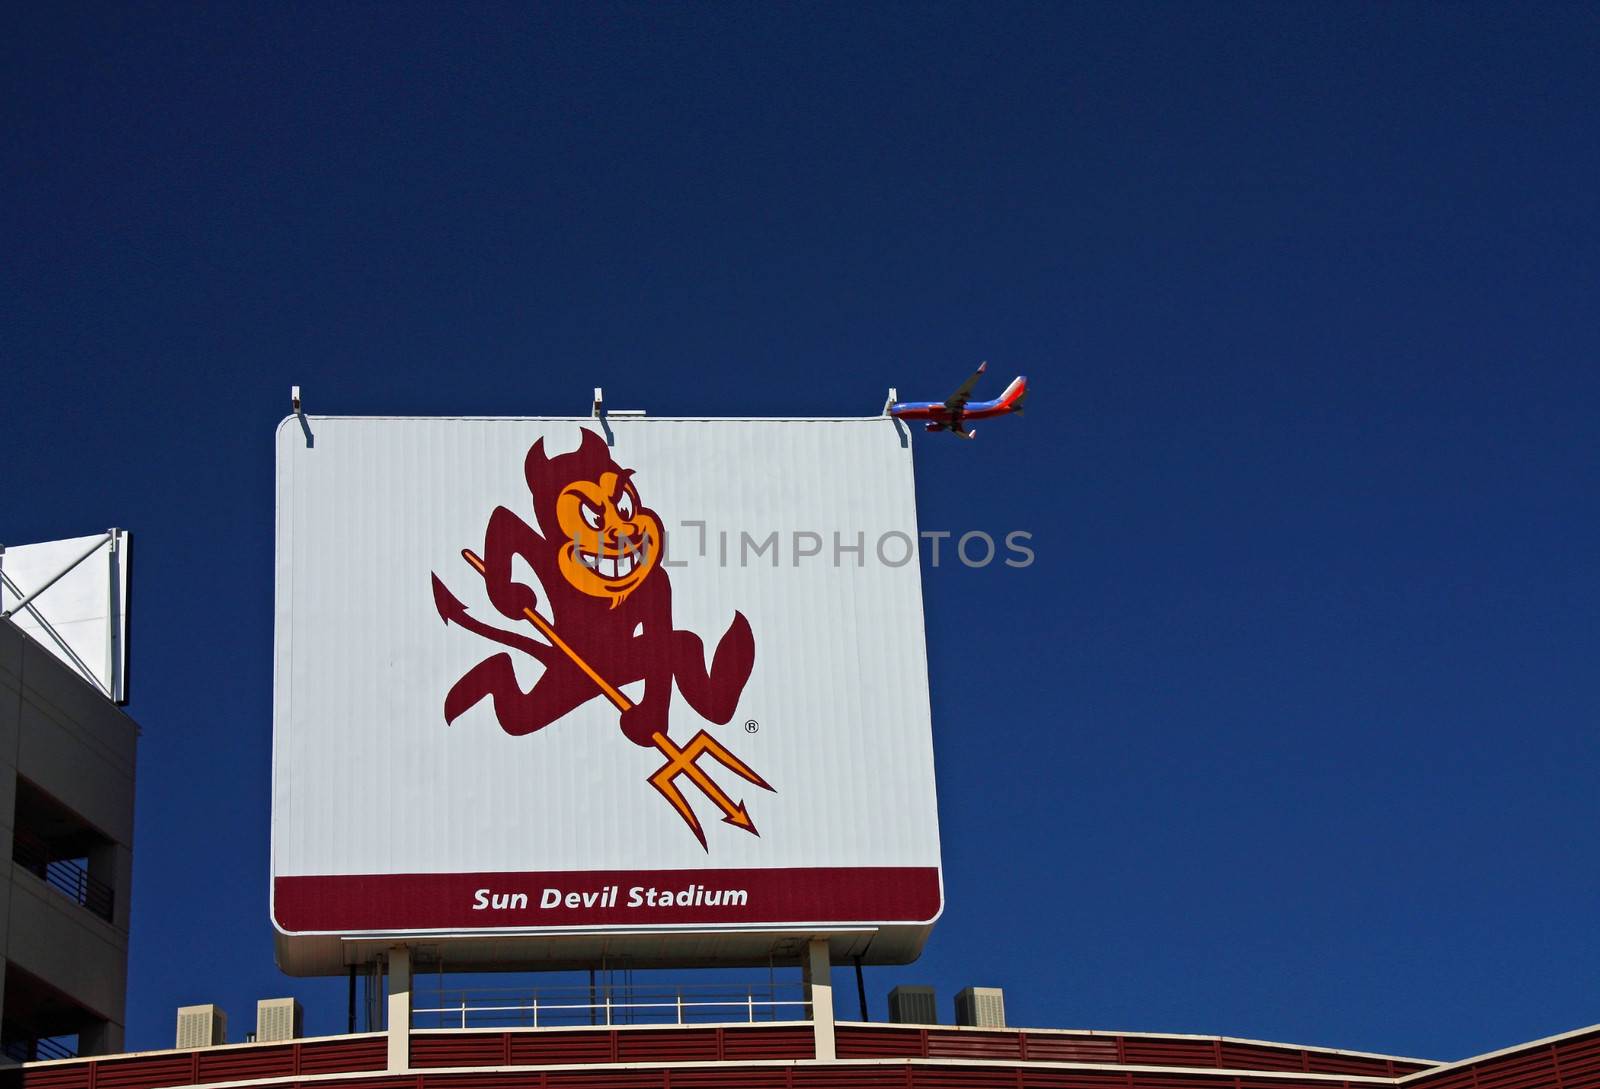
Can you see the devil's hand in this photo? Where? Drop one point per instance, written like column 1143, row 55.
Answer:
column 511, row 598
column 642, row 721
column 507, row 538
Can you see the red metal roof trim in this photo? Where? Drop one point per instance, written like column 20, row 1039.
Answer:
column 764, row 1057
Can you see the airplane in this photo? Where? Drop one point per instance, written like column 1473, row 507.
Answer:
column 953, row 413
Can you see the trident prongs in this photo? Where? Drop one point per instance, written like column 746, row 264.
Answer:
column 683, row 762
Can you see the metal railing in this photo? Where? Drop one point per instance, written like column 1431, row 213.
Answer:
column 546, row 1007
column 67, row 876
column 48, row 1047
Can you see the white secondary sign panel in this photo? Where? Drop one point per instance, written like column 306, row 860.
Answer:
column 71, row 596
column 531, row 680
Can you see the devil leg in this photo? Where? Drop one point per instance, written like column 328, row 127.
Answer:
column 715, row 695
column 555, row 693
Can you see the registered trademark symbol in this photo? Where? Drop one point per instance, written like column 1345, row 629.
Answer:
column 751, row 725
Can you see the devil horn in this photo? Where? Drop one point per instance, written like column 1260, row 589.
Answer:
column 593, row 445
column 533, row 466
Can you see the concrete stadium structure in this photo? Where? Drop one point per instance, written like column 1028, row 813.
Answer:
column 66, row 823
column 785, row 1056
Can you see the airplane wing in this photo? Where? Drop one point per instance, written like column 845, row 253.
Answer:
column 958, row 400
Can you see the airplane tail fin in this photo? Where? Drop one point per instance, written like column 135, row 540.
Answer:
column 1015, row 395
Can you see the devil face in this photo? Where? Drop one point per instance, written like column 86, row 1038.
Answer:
column 610, row 541
column 606, row 542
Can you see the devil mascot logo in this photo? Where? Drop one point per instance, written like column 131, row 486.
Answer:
column 597, row 556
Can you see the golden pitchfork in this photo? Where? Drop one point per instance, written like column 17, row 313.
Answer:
column 679, row 761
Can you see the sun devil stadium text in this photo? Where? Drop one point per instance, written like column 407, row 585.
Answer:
column 638, row 896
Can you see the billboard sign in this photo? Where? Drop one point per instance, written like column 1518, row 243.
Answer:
column 650, row 681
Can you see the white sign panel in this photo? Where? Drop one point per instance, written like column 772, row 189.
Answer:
column 563, row 676
column 71, row 596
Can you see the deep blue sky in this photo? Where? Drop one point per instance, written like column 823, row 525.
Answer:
column 1290, row 732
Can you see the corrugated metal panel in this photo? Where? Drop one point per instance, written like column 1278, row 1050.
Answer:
column 949, row 1078
column 556, row 1048
column 208, row 1065
column 510, row 1080
column 1050, row 1048
column 240, row 1064
column 343, row 1056
column 1184, row 1081
column 64, row 1076
column 459, row 1049
column 367, row 1083
column 787, row 1042
column 888, row 1041
column 851, row 1077
column 145, row 1073
column 1322, row 1062
column 878, row 1042
column 1073, row 1079
column 1459, row 1078
column 1579, row 1065
column 1518, row 1071
column 602, row 1079
column 974, row 1045
column 671, row 1046
column 1147, row 1051
column 1237, row 1056
column 729, row 1079
column 1579, row 1062
column 1570, row 1063
column 1025, row 1077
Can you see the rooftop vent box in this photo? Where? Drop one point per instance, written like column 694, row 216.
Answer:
column 278, row 1019
column 202, row 1026
column 981, row 1007
column 913, row 1006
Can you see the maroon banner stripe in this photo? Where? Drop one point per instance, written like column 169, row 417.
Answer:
column 481, row 901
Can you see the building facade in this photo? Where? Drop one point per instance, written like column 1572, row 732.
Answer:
column 66, row 824
column 785, row 1056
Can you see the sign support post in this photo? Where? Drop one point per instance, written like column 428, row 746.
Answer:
column 399, row 1009
column 818, row 973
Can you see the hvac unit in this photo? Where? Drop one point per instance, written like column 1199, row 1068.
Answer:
column 277, row 1020
column 201, row 1026
column 913, row 1006
column 981, row 1007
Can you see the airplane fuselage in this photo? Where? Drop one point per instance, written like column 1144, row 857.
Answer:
column 940, row 415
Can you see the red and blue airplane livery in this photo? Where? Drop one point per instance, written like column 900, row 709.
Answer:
column 953, row 413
